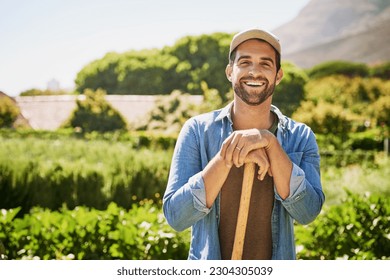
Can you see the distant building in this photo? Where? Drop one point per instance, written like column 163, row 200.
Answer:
column 53, row 85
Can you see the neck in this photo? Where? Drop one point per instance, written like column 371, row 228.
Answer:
column 247, row 117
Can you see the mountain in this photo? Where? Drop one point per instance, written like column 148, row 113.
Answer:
column 353, row 30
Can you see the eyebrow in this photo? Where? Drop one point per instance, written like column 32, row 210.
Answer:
column 262, row 58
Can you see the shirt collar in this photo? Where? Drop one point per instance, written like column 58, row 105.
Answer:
column 226, row 113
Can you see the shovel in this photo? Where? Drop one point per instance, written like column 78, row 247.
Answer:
column 243, row 211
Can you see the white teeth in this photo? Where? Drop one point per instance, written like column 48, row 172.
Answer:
column 254, row 83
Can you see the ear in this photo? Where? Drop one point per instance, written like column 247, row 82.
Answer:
column 279, row 76
column 228, row 72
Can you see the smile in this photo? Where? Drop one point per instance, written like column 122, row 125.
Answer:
column 254, row 83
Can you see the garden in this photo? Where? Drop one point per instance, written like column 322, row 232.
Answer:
column 66, row 197
column 93, row 188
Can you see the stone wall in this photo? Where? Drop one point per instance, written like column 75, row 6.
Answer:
column 49, row 112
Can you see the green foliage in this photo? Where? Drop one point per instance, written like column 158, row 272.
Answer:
column 339, row 105
column 346, row 68
column 54, row 171
column 183, row 67
column 140, row 233
column 381, row 71
column 358, row 171
column 212, row 99
column 151, row 140
column 101, row 73
column 169, row 113
column 9, row 111
column 50, row 173
column 289, row 93
column 95, row 114
column 38, row 92
column 202, row 59
column 325, row 118
column 356, row 229
column 146, row 72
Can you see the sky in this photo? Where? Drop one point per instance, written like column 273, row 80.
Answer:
column 45, row 40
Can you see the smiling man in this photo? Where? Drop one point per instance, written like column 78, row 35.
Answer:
column 205, row 179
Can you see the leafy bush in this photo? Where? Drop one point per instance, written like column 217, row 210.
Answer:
column 9, row 111
column 139, row 233
column 339, row 105
column 358, row 228
column 169, row 114
column 95, row 114
column 289, row 93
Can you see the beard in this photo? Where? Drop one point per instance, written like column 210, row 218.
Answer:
column 254, row 97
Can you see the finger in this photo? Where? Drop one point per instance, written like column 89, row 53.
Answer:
column 238, row 154
column 225, row 145
column 263, row 169
column 241, row 156
column 263, row 163
column 231, row 148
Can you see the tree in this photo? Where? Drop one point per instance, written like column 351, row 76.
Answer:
column 203, row 59
column 289, row 93
column 146, row 72
column 346, row 68
column 94, row 113
column 183, row 66
column 37, row 92
column 358, row 102
column 101, row 73
column 324, row 118
column 381, row 71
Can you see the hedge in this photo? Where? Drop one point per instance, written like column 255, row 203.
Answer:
column 356, row 229
column 50, row 173
column 139, row 233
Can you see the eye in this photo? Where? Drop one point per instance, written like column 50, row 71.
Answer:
column 266, row 64
column 244, row 62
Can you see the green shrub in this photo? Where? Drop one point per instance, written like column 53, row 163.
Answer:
column 9, row 111
column 169, row 114
column 140, row 233
column 358, row 228
column 95, row 114
column 289, row 93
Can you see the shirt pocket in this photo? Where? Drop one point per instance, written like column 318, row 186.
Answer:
column 296, row 157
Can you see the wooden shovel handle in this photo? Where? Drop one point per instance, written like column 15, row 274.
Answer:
column 243, row 211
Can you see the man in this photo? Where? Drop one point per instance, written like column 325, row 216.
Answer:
column 204, row 185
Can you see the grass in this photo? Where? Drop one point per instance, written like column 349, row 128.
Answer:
column 372, row 177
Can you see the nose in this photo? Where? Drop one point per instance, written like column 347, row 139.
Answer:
column 255, row 71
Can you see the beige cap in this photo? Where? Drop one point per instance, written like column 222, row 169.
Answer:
column 255, row 33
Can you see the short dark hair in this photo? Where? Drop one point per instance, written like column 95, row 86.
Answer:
column 277, row 57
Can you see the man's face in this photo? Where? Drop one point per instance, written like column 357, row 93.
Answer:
column 253, row 73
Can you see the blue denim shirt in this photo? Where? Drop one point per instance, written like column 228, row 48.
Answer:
column 184, row 201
